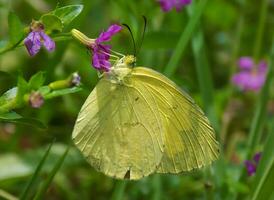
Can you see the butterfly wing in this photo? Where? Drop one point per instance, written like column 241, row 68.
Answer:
column 119, row 130
column 189, row 139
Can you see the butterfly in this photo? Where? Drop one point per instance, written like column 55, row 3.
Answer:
column 137, row 122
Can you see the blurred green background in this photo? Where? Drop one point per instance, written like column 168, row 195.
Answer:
column 227, row 30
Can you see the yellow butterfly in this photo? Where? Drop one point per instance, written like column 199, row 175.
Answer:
column 137, row 122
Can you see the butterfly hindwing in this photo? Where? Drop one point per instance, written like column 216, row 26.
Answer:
column 189, row 139
column 119, row 130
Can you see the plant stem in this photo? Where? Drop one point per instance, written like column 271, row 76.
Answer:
column 184, row 39
column 260, row 113
column 260, row 31
column 119, row 190
column 157, row 187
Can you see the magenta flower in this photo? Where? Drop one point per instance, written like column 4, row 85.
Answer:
column 167, row 5
column 252, row 76
column 252, row 165
column 36, row 38
column 101, row 52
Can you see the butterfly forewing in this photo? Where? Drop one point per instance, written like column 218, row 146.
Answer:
column 119, row 130
column 189, row 139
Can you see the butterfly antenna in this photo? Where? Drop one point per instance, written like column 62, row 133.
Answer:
column 143, row 35
column 134, row 44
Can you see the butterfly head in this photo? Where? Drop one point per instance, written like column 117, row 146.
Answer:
column 129, row 60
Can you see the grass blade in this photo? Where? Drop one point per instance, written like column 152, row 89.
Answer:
column 45, row 186
column 7, row 196
column 157, row 187
column 204, row 77
column 119, row 190
column 260, row 113
column 34, row 176
column 263, row 183
column 184, row 39
column 258, row 121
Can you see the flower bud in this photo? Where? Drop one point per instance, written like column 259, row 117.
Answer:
column 82, row 37
column 75, row 79
column 36, row 100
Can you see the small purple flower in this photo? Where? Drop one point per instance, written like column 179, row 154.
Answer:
column 167, row 5
column 101, row 52
column 37, row 38
column 251, row 166
column 257, row 157
column 252, row 76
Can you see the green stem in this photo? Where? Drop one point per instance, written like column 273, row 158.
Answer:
column 119, row 190
column 157, row 187
column 260, row 113
column 184, row 39
column 260, row 31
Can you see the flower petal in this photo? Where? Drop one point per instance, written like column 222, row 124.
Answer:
column 106, row 36
column 179, row 4
column 250, row 167
column 246, row 63
column 241, row 80
column 47, row 41
column 33, row 43
column 262, row 66
column 257, row 157
column 166, row 5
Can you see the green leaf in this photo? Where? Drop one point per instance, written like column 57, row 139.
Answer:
column 16, row 29
column 45, row 186
column 35, row 174
column 37, row 80
column 52, row 23
column 10, row 116
column 8, row 96
column 68, row 13
column 62, row 92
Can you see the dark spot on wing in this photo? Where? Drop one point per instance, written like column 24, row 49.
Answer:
column 137, row 98
column 127, row 175
column 175, row 107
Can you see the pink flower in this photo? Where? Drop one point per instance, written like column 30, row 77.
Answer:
column 167, row 5
column 252, row 76
column 101, row 52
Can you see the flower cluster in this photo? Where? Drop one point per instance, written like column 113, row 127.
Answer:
column 167, row 5
column 36, row 38
column 251, row 165
column 252, row 76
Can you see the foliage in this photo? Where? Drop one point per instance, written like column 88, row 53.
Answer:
column 197, row 48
